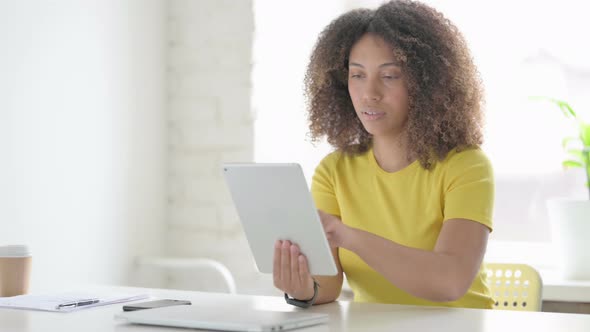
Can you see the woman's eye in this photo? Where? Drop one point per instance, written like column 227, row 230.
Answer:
column 355, row 76
column 390, row 77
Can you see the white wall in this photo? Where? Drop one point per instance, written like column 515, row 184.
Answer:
column 82, row 135
column 210, row 122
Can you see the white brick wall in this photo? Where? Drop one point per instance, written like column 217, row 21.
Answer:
column 209, row 88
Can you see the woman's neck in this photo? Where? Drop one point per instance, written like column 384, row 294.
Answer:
column 391, row 153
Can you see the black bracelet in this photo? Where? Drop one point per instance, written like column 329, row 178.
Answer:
column 301, row 303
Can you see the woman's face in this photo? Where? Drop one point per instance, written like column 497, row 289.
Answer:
column 377, row 87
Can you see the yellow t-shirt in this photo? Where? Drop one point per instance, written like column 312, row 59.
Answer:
column 408, row 207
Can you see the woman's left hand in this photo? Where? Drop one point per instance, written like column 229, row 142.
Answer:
column 337, row 233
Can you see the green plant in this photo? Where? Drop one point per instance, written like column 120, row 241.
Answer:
column 579, row 155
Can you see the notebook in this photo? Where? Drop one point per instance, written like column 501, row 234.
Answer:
column 226, row 319
column 68, row 301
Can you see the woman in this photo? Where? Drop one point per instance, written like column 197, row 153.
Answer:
column 406, row 199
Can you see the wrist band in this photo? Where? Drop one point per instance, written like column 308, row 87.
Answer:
column 301, row 303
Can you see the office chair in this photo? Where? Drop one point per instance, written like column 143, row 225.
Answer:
column 190, row 264
column 514, row 286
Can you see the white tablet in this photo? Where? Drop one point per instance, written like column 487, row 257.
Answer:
column 273, row 202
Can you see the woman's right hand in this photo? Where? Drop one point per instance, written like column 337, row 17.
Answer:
column 291, row 272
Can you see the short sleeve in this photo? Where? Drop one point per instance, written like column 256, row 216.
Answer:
column 469, row 187
column 323, row 186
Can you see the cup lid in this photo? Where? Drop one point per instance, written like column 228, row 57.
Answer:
column 15, row 250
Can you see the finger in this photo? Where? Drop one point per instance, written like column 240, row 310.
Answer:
column 328, row 227
column 276, row 265
column 286, row 263
column 330, row 239
column 304, row 274
column 295, row 283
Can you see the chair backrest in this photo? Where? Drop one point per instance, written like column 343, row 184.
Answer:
column 514, row 286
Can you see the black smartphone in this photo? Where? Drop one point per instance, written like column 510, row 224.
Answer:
column 154, row 304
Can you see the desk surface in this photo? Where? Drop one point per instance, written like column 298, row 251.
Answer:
column 344, row 316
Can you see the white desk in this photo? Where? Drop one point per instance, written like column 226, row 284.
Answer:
column 344, row 316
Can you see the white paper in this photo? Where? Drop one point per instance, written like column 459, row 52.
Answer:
column 51, row 302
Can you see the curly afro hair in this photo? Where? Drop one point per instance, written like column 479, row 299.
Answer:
column 444, row 89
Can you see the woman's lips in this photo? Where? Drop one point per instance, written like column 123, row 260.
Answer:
column 372, row 115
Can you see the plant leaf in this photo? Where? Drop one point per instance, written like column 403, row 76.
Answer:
column 577, row 154
column 571, row 163
column 585, row 134
column 565, row 108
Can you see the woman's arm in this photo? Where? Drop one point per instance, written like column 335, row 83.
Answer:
column 330, row 286
column 442, row 275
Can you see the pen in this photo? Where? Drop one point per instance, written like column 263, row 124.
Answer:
column 75, row 304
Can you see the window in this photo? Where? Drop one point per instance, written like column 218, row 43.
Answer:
column 284, row 37
column 522, row 49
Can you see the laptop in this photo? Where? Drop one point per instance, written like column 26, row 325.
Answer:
column 231, row 319
column 274, row 202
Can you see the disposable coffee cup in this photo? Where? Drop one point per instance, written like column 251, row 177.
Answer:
column 15, row 270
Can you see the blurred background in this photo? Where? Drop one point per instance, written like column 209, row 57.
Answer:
column 116, row 114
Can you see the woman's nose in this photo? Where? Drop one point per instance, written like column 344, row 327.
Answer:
column 372, row 92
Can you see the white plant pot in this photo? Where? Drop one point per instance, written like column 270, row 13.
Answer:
column 570, row 229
